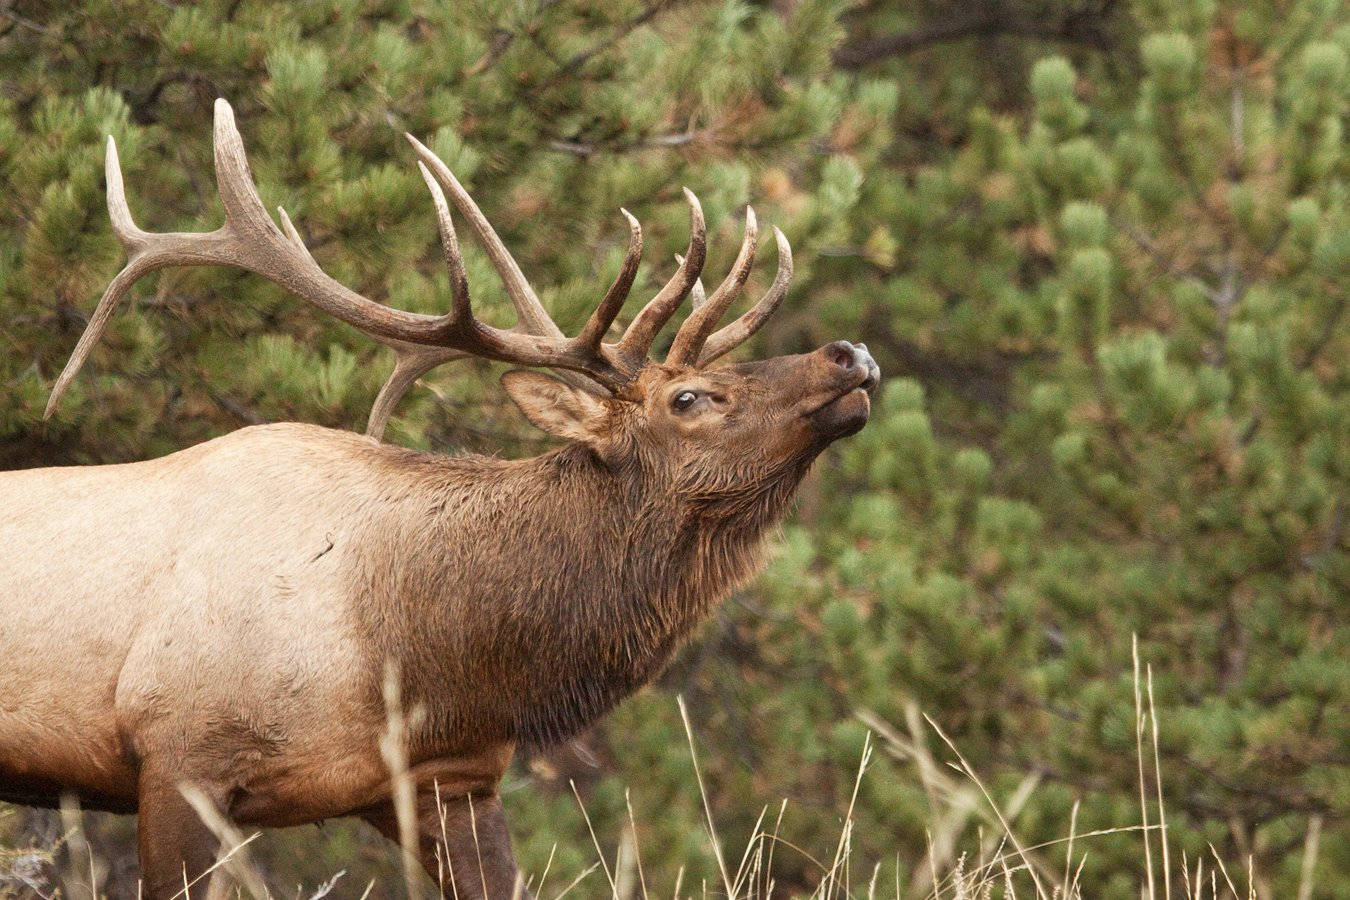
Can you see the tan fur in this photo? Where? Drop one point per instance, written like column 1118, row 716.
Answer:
column 223, row 615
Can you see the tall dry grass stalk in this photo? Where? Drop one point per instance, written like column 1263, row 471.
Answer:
column 234, row 857
column 77, row 846
column 394, row 751
column 997, row 862
column 1139, row 754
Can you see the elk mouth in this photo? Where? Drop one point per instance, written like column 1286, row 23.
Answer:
column 846, row 412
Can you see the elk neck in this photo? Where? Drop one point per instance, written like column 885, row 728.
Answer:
column 523, row 599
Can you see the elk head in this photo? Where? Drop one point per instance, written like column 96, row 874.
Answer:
column 712, row 432
column 705, row 430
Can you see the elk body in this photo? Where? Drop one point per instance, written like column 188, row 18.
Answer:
column 224, row 616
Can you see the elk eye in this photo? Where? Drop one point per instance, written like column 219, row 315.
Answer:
column 683, row 400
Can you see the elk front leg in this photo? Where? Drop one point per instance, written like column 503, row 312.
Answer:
column 175, row 847
column 461, row 839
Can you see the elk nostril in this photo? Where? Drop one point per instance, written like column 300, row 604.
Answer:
column 841, row 354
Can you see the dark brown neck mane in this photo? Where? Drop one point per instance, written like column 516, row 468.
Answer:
column 531, row 596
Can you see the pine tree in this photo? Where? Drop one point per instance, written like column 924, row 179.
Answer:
column 1123, row 325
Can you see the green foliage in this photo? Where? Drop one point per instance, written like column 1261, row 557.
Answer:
column 1105, row 278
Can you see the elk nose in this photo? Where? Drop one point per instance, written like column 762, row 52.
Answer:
column 851, row 358
column 842, row 354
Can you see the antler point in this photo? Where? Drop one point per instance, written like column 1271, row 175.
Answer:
column 112, row 166
column 421, row 149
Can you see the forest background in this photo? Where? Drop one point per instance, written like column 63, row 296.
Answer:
column 1099, row 248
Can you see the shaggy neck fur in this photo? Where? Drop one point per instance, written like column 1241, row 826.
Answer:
column 528, row 597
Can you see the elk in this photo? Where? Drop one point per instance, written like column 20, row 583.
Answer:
column 223, row 616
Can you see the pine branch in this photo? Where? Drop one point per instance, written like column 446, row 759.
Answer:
column 502, row 39
column 1324, row 335
column 22, row 22
column 624, row 29
column 1079, row 26
column 660, row 141
column 237, row 409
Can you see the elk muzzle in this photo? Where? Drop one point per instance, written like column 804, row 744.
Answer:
column 848, row 378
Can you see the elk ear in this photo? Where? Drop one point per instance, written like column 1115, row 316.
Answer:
column 557, row 407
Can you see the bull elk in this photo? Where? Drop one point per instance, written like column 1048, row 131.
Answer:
column 223, row 616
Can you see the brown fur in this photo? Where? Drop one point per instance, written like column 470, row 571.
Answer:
column 224, row 615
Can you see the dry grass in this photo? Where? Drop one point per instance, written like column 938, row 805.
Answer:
column 999, row 864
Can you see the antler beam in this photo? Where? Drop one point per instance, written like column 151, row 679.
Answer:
column 250, row 240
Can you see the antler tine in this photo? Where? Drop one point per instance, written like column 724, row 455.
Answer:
column 454, row 262
column 119, row 213
column 729, row 337
column 415, row 360
column 694, row 332
column 642, row 331
column 523, row 297
column 603, row 315
column 248, row 240
column 98, row 322
column 289, row 227
column 697, row 296
column 533, row 318
column 234, row 180
column 537, row 341
column 133, row 240
column 411, row 363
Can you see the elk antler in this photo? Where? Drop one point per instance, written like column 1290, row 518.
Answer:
column 250, row 240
